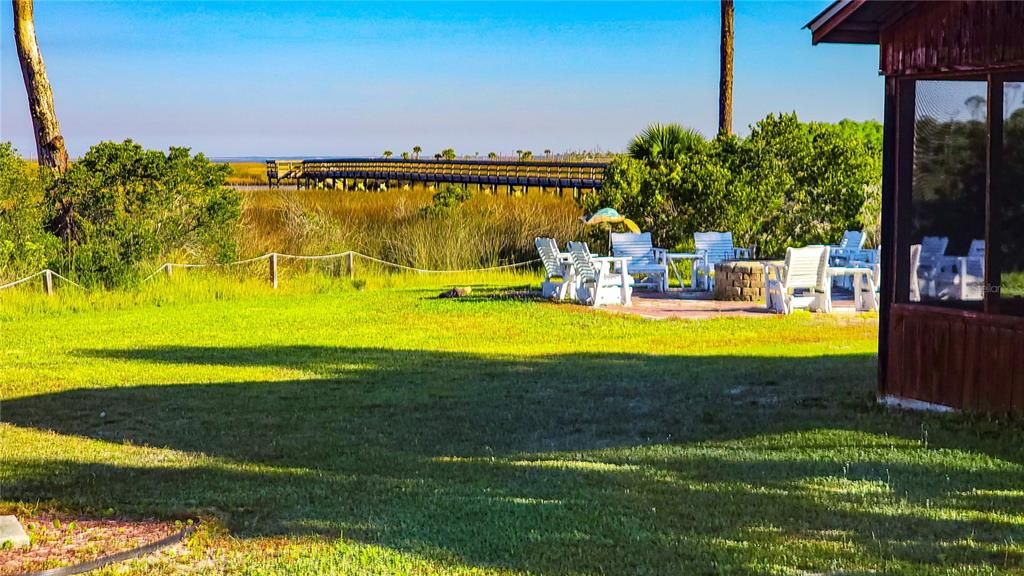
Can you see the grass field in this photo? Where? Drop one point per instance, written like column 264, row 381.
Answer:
column 323, row 429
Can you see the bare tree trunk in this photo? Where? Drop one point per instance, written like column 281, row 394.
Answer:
column 49, row 142
column 725, row 81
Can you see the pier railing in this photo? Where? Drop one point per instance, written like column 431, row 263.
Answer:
column 542, row 174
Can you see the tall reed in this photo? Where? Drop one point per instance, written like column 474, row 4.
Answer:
column 487, row 230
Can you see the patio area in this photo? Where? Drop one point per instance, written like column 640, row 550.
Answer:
column 702, row 306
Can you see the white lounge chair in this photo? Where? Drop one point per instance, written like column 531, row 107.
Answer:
column 924, row 268
column 597, row 283
column 713, row 248
column 556, row 267
column 805, row 271
column 962, row 277
column 644, row 258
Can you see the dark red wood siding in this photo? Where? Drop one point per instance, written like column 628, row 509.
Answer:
column 966, row 360
column 954, row 36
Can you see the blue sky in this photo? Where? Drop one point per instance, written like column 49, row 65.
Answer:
column 326, row 78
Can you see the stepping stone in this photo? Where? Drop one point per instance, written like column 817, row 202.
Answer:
column 11, row 531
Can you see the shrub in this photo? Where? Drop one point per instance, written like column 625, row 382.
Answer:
column 448, row 197
column 787, row 184
column 120, row 205
column 25, row 247
column 823, row 175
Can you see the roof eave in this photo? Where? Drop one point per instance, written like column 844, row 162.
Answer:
column 826, row 27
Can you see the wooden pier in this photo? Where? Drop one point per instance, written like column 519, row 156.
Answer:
column 490, row 175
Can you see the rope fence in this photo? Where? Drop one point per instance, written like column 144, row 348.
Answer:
column 48, row 276
column 272, row 258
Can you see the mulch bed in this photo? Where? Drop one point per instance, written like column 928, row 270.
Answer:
column 66, row 540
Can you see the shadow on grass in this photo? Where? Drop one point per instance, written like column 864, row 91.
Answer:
column 599, row 462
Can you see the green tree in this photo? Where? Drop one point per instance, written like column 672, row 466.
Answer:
column 821, row 175
column 388, row 153
column 660, row 144
column 788, row 184
column 405, row 155
column 25, row 246
column 547, row 153
column 122, row 205
column 416, row 151
column 448, row 154
column 492, row 155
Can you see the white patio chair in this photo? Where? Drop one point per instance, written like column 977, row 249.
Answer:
column 962, row 277
column 849, row 250
column 597, row 283
column 873, row 283
column 925, row 269
column 850, row 247
column 801, row 282
column 713, row 248
column 644, row 258
column 556, row 267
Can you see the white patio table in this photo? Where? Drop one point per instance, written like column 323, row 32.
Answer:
column 673, row 262
column 619, row 264
column 863, row 297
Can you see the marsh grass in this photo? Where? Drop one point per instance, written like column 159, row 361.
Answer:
column 247, row 173
column 487, row 230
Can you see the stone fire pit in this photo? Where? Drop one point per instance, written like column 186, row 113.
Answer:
column 741, row 280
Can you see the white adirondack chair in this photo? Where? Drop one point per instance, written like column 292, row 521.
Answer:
column 644, row 258
column 850, row 247
column 963, row 277
column 598, row 284
column 712, row 247
column 556, row 267
column 849, row 250
column 925, row 269
column 801, row 282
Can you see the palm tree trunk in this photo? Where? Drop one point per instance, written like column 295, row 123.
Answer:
column 725, row 80
column 49, row 142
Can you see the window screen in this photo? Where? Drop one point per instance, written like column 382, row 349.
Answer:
column 948, row 192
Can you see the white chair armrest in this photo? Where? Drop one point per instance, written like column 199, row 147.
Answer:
column 660, row 255
column 853, row 255
column 777, row 269
column 741, row 253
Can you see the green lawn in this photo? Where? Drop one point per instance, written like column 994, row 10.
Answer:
column 329, row 430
